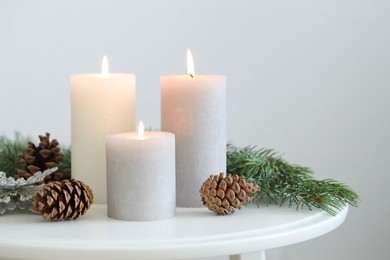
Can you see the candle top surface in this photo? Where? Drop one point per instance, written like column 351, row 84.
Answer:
column 195, row 76
column 148, row 135
column 99, row 75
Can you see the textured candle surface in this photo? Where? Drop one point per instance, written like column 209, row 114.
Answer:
column 194, row 109
column 141, row 176
column 100, row 106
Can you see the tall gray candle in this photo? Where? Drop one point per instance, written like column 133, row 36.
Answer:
column 193, row 107
column 141, row 176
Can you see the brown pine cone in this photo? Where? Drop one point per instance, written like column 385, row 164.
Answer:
column 40, row 158
column 225, row 194
column 62, row 200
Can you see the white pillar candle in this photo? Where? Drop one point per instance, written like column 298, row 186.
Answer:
column 141, row 176
column 193, row 107
column 101, row 104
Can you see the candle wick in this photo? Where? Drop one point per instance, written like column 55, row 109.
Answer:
column 191, row 75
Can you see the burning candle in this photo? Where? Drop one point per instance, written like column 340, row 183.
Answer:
column 102, row 104
column 193, row 107
column 141, row 175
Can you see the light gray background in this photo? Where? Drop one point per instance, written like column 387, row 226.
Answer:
column 307, row 78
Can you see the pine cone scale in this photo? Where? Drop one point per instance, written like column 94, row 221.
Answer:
column 54, row 194
column 61, row 206
column 222, row 185
column 76, row 202
column 221, row 194
column 49, row 200
column 67, row 196
column 45, row 153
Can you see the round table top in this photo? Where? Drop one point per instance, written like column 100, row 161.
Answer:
column 193, row 232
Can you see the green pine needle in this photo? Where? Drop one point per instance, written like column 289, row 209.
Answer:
column 66, row 164
column 9, row 152
column 281, row 182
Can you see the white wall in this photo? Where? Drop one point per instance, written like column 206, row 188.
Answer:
column 307, row 78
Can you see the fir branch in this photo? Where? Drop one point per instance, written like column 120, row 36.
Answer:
column 66, row 164
column 281, row 182
column 10, row 149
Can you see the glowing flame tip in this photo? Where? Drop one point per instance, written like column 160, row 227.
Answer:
column 141, row 129
column 190, row 64
column 105, row 67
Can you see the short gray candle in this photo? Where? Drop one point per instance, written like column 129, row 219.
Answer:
column 141, row 176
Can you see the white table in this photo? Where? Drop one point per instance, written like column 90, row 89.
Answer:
column 192, row 233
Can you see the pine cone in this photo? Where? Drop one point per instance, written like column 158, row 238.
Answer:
column 62, row 200
column 225, row 194
column 40, row 158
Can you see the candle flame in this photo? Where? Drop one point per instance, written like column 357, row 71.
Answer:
column 105, row 68
column 190, row 64
column 141, row 129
